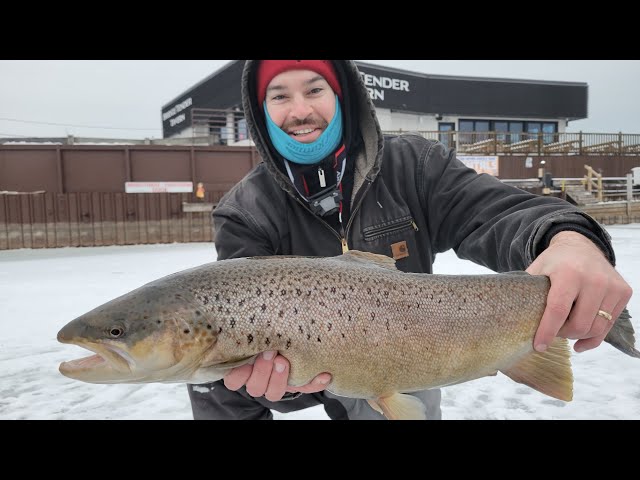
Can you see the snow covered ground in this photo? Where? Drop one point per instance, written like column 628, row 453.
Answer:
column 42, row 290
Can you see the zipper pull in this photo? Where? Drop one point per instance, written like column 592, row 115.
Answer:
column 415, row 227
column 323, row 182
column 345, row 246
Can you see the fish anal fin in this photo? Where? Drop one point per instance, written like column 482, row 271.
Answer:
column 400, row 406
column 548, row 372
column 369, row 258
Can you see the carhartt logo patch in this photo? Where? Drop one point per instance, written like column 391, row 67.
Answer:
column 399, row 250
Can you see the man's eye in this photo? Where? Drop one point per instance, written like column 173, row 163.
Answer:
column 315, row 90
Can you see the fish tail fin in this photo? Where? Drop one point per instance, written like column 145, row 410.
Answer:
column 622, row 335
column 400, row 406
column 549, row 372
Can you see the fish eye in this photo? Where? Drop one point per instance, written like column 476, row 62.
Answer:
column 116, row 332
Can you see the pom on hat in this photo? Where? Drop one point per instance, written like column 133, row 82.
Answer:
column 270, row 68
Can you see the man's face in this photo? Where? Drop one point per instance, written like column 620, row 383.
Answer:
column 301, row 103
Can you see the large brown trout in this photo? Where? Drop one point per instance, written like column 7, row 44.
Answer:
column 379, row 332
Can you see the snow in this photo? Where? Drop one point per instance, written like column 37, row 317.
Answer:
column 42, row 290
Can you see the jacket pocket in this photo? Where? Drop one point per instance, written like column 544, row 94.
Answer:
column 391, row 227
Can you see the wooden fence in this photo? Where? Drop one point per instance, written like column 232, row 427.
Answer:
column 46, row 220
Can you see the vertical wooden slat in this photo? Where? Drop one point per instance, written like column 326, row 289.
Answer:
column 143, row 220
column 132, row 227
column 39, row 221
column 50, row 219
column 120, row 218
column 4, row 240
column 26, row 220
column 98, row 219
column 85, row 220
column 74, row 219
column 109, row 233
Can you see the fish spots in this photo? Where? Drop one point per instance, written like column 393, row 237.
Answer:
column 279, row 335
column 344, row 296
column 232, row 323
column 387, row 324
column 263, row 307
column 186, row 330
column 249, row 339
column 373, row 316
column 258, row 292
column 283, row 292
column 369, row 290
column 219, row 329
column 241, row 302
column 288, row 344
column 313, row 321
column 405, row 326
column 205, row 299
column 198, row 313
column 271, row 293
column 217, row 297
column 319, row 339
column 343, row 335
column 298, row 292
column 209, row 327
column 378, row 302
column 252, row 319
column 322, row 304
column 158, row 322
column 300, row 329
column 178, row 296
column 281, row 313
column 295, row 310
column 308, row 336
column 333, row 289
column 329, row 326
column 340, row 313
column 145, row 317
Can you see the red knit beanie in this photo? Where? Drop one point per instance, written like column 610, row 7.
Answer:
column 270, row 68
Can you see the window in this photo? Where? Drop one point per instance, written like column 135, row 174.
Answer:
column 445, row 136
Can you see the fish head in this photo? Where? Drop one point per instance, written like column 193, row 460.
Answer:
column 155, row 333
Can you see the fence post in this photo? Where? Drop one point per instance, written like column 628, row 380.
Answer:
column 629, row 195
column 620, row 143
column 580, row 143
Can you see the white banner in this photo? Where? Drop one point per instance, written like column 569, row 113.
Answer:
column 481, row 164
column 158, row 187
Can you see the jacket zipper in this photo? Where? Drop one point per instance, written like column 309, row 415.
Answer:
column 391, row 228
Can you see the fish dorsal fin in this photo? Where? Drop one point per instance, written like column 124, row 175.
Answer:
column 368, row 258
column 549, row 372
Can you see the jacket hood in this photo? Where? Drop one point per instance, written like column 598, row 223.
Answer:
column 363, row 137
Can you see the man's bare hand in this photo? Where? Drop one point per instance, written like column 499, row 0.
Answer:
column 268, row 376
column 583, row 282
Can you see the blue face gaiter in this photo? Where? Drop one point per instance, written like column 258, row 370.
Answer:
column 307, row 153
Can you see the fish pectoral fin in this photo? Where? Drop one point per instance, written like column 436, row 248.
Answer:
column 549, row 372
column 369, row 258
column 400, row 406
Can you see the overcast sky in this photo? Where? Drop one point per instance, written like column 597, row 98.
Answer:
column 123, row 98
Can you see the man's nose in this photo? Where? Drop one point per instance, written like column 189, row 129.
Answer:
column 300, row 108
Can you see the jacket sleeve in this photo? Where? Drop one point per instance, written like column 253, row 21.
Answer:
column 238, row 234
column 491, row 223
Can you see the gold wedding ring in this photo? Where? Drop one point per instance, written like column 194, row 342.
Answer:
column 604, row 314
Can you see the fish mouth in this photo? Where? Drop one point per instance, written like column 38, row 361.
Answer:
column 110, row 364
